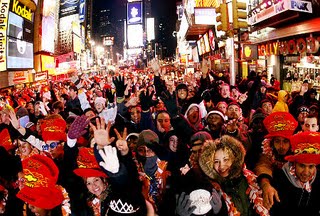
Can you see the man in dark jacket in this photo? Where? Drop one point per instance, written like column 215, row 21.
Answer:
column 298, row 182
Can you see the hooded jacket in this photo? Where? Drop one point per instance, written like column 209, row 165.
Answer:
column 235, row 185
column 281, row 105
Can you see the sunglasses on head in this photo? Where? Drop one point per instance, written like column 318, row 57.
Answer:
column 52, row 145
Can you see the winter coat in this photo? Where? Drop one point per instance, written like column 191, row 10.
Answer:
column 281, row 106
column 295, row 201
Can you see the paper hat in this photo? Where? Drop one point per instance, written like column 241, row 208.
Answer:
column 40, row 171
column 87, row 164
column 39, row 189
column 41, row 197
column 280, row 124
column 53, row 127
column 306, row 148
column 5, row 140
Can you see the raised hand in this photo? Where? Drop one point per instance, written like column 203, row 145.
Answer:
column 146, row 99
column 13, row 119
column 171, row 103
column 101, row 133
column 215, row 201
column 183, row 207
column 109, row 95
column 155, row 66
column 120, row 86
column 78, row 127
column 110, row 159
column 121, row 143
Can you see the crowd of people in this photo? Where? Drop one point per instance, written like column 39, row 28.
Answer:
column 159, row 142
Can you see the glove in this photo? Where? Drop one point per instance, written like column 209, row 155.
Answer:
column 146, row 100
column 110, row 159
column 215, row 201
column 109, row 95
column 120, row 86
column 170, row 102
column 183, row 207
column 77, row 128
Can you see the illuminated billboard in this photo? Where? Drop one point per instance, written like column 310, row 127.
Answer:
column 206, row 42
column 135, row 36
column 82, row 10
column 19, row 46
column 134, row 13
column 3, row 33
column 48, row 21
column 48, row 64
column 21, row 10
column 108, row 41
column 150, row 29
column 68, row 7
column 20, row 54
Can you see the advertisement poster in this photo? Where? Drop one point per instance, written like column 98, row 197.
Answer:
column 21, row 10
column 134, row 13
column 20, row 54
column 82, row 11
column 4, row 5
column 47, row 40
column 69, row 7
column 135, row 36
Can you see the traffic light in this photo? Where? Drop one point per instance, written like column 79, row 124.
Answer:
column 239, row 12
column 222, row 17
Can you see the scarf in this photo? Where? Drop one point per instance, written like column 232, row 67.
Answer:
column 290, row 171
column 254, row 192
column 267, row 150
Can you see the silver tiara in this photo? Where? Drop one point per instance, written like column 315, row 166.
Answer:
column 120, row 207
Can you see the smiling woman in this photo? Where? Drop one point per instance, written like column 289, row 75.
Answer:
column 223, row 161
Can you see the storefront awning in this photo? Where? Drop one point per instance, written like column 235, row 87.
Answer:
column 306, row 27
column 195, row 30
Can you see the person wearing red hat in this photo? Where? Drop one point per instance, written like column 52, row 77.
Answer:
column 54, row 142
column 95, row 180
column 39, row 189
column 298, row 182
column 276, row 145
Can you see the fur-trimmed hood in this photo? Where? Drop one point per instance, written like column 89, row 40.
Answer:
column 206, row 159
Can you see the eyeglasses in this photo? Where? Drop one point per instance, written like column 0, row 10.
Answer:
column 52, row 145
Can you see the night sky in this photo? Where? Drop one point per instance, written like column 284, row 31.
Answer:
column 163, row 10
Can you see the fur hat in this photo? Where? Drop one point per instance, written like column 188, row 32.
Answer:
column 206, row 160
column 53, row 127
column 87, row 164
column 5, row 140
column 280, row 124
column 39, row 189
column 306, row 148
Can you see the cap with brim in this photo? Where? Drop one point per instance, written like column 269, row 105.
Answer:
column 41, row 197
